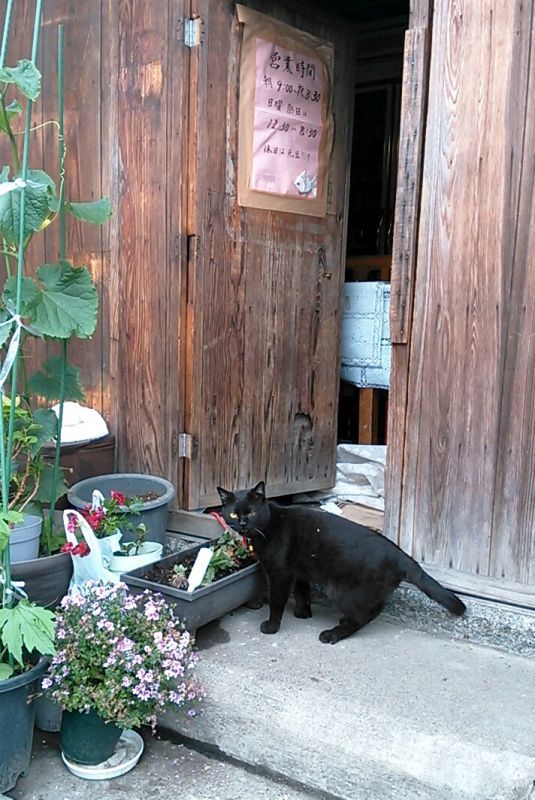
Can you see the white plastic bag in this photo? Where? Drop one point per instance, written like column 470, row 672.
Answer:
column 93, row 565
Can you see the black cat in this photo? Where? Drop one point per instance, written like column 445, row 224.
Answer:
column 297, row 545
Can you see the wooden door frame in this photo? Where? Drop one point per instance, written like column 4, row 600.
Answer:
column 415, row 86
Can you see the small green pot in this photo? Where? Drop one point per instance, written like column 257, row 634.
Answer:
column 87, row 738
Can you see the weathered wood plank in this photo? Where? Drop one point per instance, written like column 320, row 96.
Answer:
column 411, row 139
column 142, row 265
column 177, row 194
column 368, row 416
column 485, row 586
column 408, row 194
column 513, row 530
column 455, row 381
column 82, row 103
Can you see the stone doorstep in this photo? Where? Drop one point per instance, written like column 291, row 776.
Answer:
column 388, row 714
column 485, row 622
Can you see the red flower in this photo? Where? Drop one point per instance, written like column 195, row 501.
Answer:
column 119, row 497
column 81, row 549
column 94, row 517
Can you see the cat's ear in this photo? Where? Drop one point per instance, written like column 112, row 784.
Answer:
column 225, row 496
column 259, row 490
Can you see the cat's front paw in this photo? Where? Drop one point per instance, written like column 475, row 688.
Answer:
column 303, row 612
column 269, row 626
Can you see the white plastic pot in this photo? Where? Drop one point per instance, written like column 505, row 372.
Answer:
column 148, row 553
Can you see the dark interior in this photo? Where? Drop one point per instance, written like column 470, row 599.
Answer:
column 379, row 36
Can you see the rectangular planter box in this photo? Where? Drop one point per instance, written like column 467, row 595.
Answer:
column 211, row 602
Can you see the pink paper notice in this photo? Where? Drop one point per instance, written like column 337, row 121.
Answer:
column 287, row 121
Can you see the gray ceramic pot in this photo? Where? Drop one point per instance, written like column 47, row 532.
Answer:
column 153, row 513
column 205, row 604
column 46, row 579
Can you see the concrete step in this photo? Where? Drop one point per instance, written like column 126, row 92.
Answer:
column 165, row 772
column 391, row 713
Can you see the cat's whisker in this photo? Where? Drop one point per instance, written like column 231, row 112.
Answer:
column 257, row 530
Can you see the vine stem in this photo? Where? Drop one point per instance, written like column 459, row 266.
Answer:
column 62, row 254
column 20, row 272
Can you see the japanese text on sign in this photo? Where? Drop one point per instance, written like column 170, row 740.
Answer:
column 287, row 121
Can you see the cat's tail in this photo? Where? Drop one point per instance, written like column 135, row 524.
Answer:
column 432, row 588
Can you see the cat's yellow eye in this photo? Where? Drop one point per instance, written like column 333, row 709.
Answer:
column 233, row 515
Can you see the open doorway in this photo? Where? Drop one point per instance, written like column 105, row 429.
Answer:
column 365, row 346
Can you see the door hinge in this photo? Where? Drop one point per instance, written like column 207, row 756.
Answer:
column 185, row 445
column 192, row 32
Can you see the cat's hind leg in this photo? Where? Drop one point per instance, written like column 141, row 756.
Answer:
column 356, row 614
column 303, row 608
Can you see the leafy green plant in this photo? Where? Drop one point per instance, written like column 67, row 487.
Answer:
column 229, row 554
column 56, row 303
column 59, row 302
column 25, row 629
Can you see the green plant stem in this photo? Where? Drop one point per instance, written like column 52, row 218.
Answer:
column 5, row 34
column 8, row 266
column 57, row 454
column 20, row 271
column 12, row 141
column 5, row 481
column 61, row 145
column 62, row 251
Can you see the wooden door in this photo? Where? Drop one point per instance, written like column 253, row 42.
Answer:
column 263, row 289
column 463, row 447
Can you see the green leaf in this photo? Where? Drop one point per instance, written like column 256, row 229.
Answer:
column 68, row 303
column 97, row 212
column 38, row 210
column 27, row 626
column 47, row 426
column 12, row 111
column 5, row 330
column 30, row 292
column 44, row 493
column 4, row 535
column 47, row 383
column 6, row 671
column 25, row 76
column 7, row 518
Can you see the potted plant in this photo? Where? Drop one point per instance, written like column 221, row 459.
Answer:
column 120, row 662
column 155, row 494
column 56, row 303
column 113, row 517
column 27, row 472
column 232, row 578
